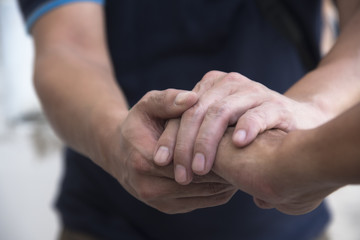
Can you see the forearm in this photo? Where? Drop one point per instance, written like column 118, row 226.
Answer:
column 79, row 96
column 74, row 78
column 333, row 148
column 334, row 85
column 294, row 172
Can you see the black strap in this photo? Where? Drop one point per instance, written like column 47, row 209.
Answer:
column 282, row 19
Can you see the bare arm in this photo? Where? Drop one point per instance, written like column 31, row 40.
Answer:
column 79, row 94
column 74, row 77
column 335, row 148
column 334, row 85
column 294, row 172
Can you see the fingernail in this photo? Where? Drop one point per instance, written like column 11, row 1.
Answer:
column 181, row 98
column 198, row 164
column 162, row 155
column 180, row 174
column 240, row 136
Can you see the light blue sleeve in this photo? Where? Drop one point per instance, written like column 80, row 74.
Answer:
column 50, row 5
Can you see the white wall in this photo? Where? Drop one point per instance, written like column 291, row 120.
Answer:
column 16, row 54
column 28, row 184
column 30, row 164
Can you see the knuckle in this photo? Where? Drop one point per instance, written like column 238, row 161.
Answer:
column 211, row 74
column 219, row 110
column 150, row 94
column 257, row 87
column 157, row 96
column 247, row 84
column 206, row 142
column 196, row 112
column 234, row 77
column 166, row 140
column 148, row 98
column 182, row 153
column 182, row 147
column 202, row 142
column 208, row 80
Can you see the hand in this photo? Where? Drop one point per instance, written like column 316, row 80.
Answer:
column 127, row 155
column 227, row 99
column 274, row 170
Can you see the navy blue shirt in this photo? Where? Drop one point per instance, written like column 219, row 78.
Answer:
column 171, row 44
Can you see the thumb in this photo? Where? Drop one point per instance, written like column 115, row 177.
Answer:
column 170, row 103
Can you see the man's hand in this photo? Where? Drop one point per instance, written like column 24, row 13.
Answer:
column 128, row 155
column 227, row 99
column 78, row 90
column 275, row 171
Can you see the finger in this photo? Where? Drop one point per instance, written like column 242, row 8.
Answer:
column 168, row 172
column 170, row 103
column 166, row 143
column 183, row 152
column 190, row 124
column 154, row 188
column 247, row 93
column 217, row 119
column 193, row 203
column 257, row 120
column 208, row 81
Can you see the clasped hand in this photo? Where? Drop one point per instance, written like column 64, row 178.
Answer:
column 225, row 99
column 127, row 154
column 193, row 142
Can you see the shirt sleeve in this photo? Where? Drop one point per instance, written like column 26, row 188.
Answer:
column 32, row 10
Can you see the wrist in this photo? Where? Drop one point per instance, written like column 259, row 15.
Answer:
column 310, row 114
column 103, row 125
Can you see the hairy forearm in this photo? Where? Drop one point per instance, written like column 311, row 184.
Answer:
column 334, row 85
column 79, row 96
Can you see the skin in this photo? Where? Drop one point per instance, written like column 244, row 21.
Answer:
column 230, row 98
column 294, row 172
column 77, row 88
column 72, row 66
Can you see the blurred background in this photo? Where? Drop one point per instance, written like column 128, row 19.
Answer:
column 30, row 153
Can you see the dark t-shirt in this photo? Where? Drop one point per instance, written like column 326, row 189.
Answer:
column 172, row 44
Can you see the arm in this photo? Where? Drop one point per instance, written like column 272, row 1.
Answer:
column 334, row 85
column 294, row 172
column 335, row 148
column 74, row 77
column 227, row 99
column 79, row 94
